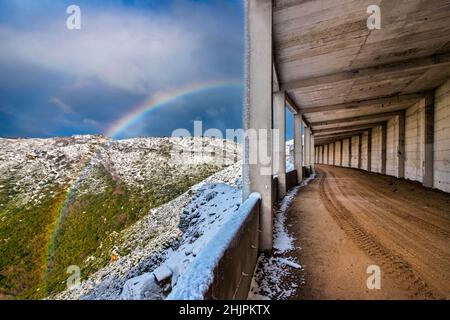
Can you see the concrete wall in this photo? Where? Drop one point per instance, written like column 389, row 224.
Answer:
column 442, row 138
column 392, row 147
column 345, row 152
column 331, row 148
column 364, row 150
column 355, row 151
column 415, row 142
column 231, row 255
column 376, row 149
column 338, row 153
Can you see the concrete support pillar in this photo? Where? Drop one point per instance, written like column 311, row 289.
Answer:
column 342, row 151
column 298, row 146
column 369, row 150
column 307, row 147
column 383, row 147
column 279, row 104
column 312, row 147
column 334, row 153
column 401, row 143
column 257, row 171
column 322, row 154
column 350, row 152
column 428, row 176
column 335, row 160
column 328, row 154
column 318, row 154
column 360, row 151
column 315, row 155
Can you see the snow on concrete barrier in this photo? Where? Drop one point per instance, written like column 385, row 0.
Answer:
column 224, row 268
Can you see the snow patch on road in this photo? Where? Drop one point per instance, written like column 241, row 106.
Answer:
column 282, row 240
column 274, row 277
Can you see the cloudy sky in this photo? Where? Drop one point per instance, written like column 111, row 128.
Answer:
column 55, row 81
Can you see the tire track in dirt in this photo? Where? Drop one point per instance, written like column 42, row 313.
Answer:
column 392, row 263
column 410, row 241
column 433, row 212
column 403, row 213
column 387, row 209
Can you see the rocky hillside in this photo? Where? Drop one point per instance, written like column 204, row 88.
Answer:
column 66, row 201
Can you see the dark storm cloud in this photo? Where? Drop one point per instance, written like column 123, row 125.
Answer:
column 59, row 82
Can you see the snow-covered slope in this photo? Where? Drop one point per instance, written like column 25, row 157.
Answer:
column 189, row 222
column 89, row 201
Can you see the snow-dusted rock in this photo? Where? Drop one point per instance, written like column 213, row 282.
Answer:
column 142, row 287
column 162, row 273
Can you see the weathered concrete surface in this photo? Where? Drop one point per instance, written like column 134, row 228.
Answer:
column 442, row 138
column 364, row 151
column 370, row 219
column 298, row 146
column 279, row 105
column 345, row 78
column 327, row 57
column 233, row 273
column 291, row 179
column 307, row 147
column 383, row 147
column 428, row 174
column 376, row 149
column 392, row 147
column 355, row 151
column 346, row 152
column 258, row 113
column 415, row 142
column 338, row 153
column 320, row 151
column 313, row 162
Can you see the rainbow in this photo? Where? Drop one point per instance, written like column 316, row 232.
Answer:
column 161, row 98
column 157, row 100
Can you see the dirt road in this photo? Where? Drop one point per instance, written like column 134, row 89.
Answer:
column 346, row 220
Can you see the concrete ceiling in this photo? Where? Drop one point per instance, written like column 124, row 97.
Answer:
column 335, row 69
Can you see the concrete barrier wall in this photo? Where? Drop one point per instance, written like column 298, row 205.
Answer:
column 291, row 179
column 355, row 151
column 442, row 138
column 415, row 142
column 224, row 268
column 376, row 149
column 392, row 147
column 338, row 153
column 364, row 150
column 345, row 152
